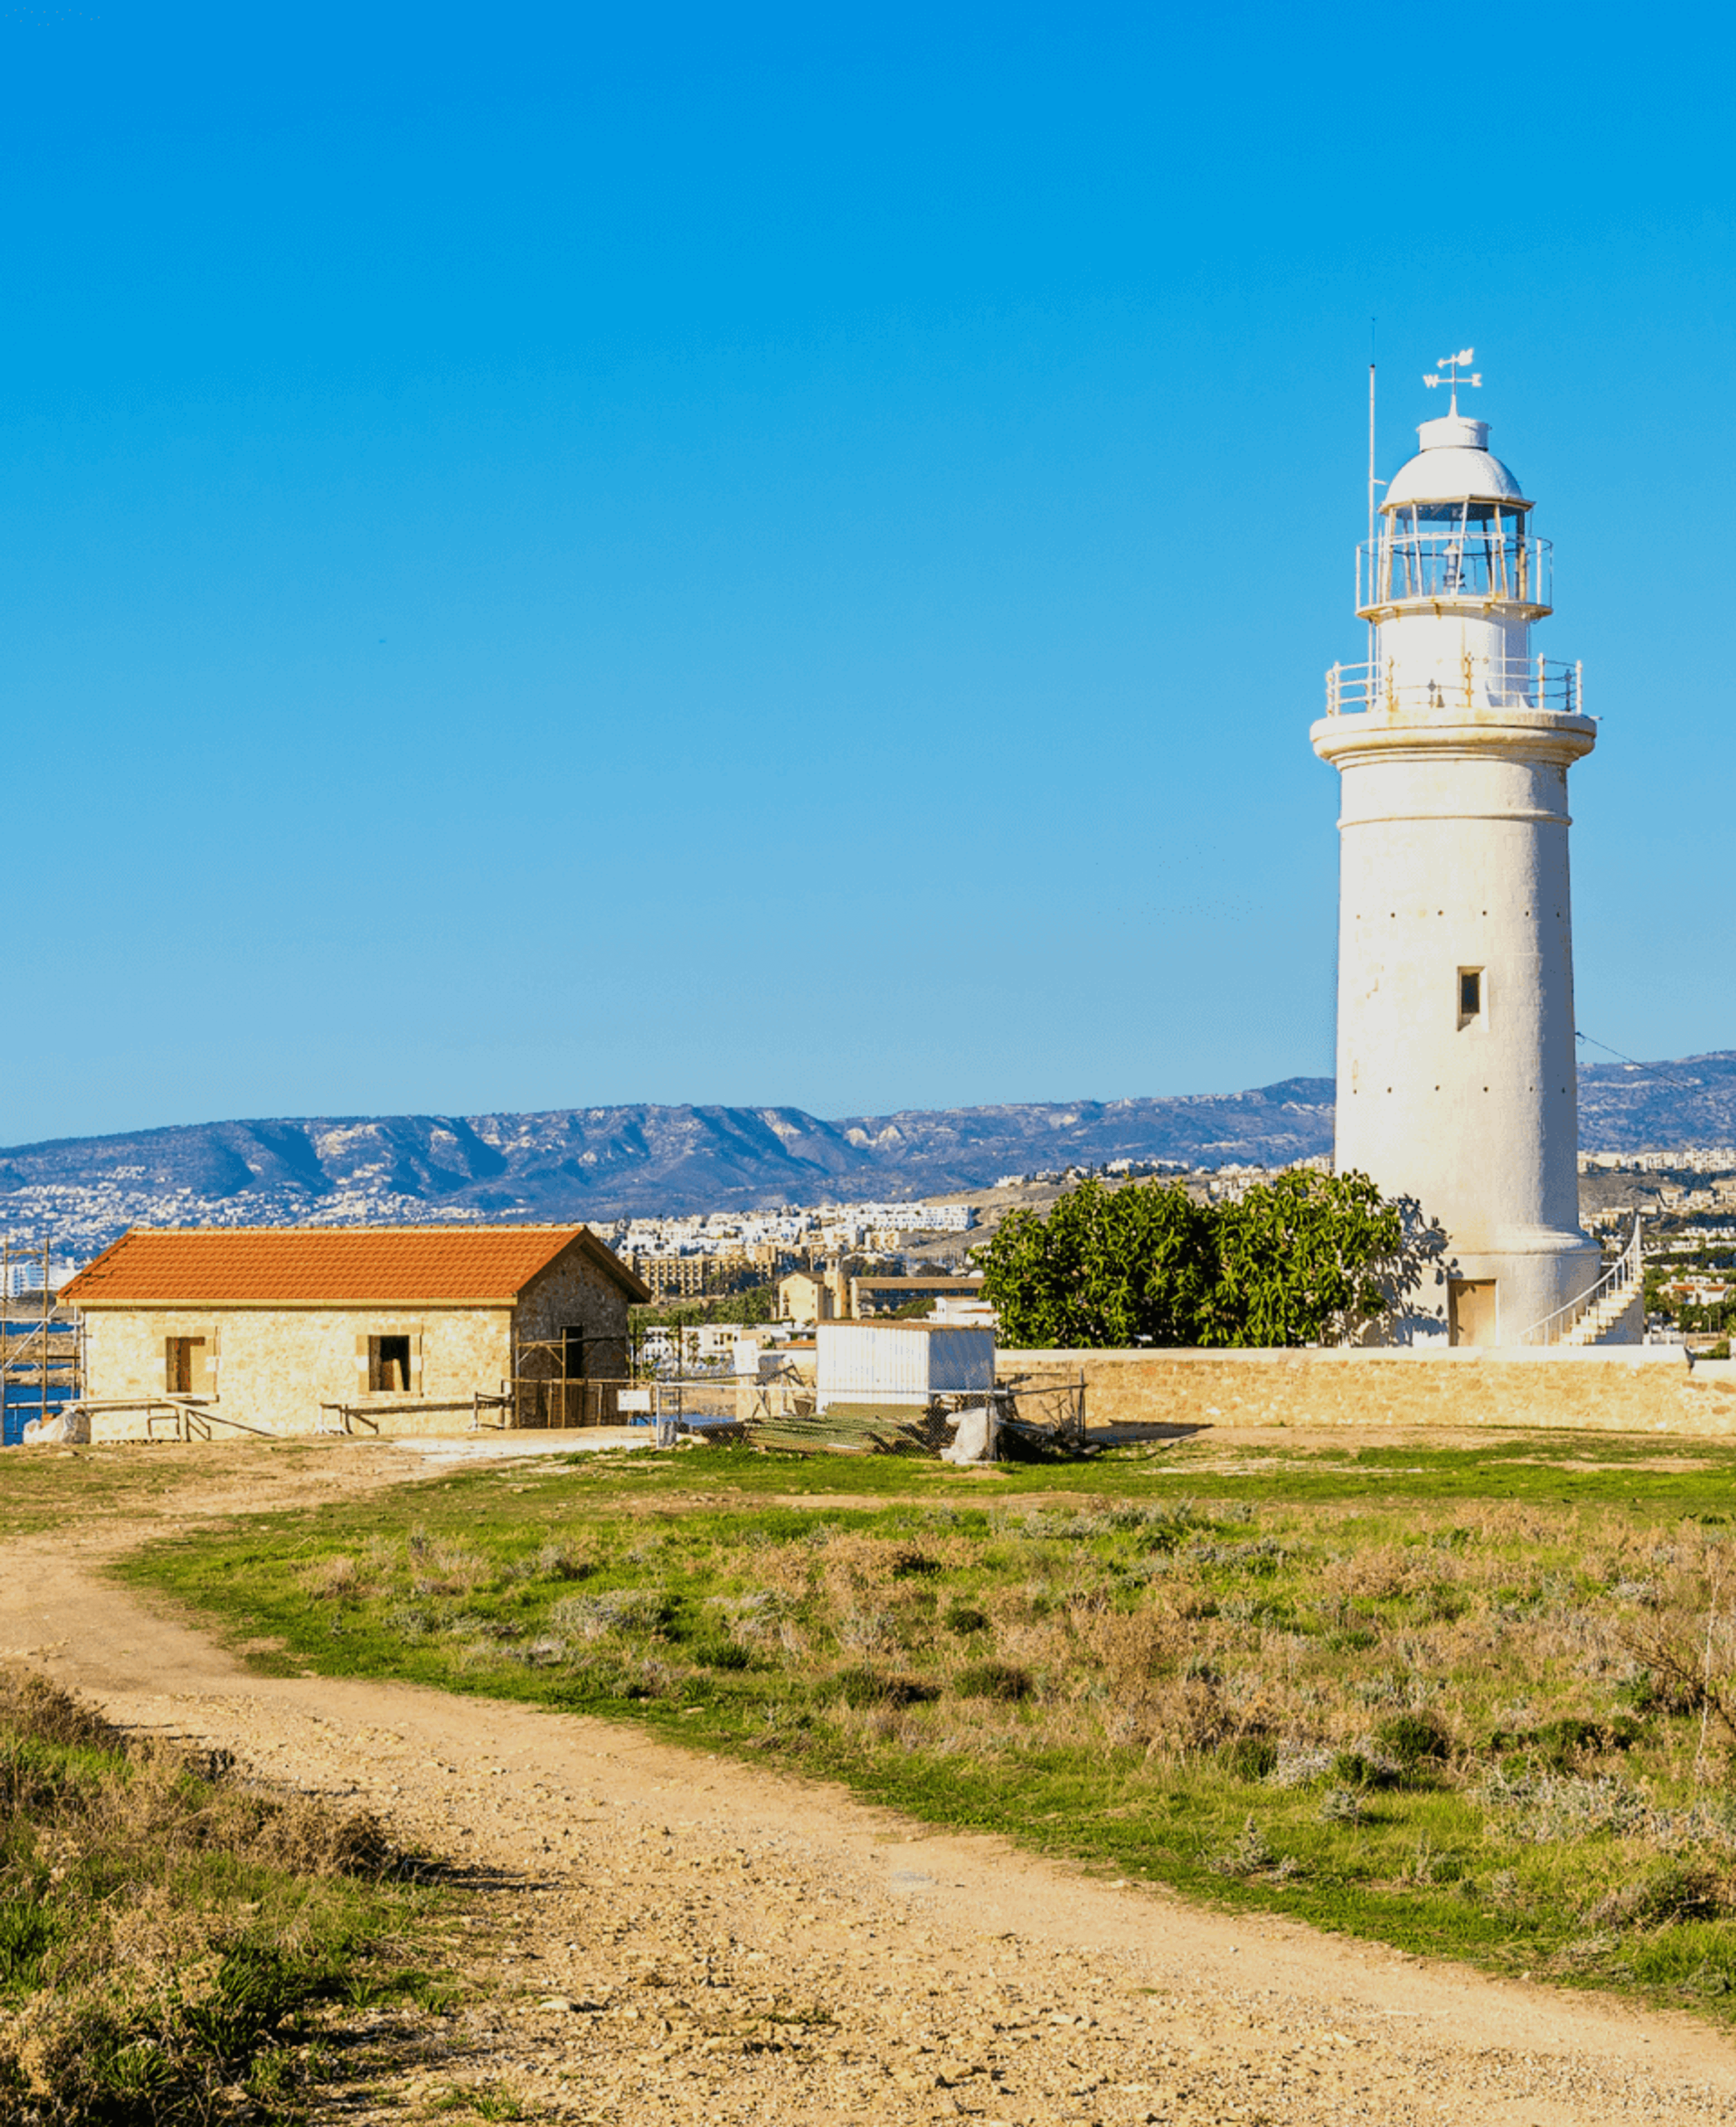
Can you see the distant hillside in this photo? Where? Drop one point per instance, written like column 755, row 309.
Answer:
column 1634, row 1107
column 613, row 1162
column 603, row 1163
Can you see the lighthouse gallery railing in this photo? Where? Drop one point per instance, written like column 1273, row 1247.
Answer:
column 1514, row 683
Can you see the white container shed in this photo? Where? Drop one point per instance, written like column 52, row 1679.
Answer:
column 900, row 1362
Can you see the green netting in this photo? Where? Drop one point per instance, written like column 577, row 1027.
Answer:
column 856, row 1429
column 1033, row 1423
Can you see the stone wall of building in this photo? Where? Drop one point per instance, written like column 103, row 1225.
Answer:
column 1626, row 1389
column 576, row 1294
column 272, row 1368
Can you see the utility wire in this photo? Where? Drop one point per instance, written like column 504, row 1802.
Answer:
column 1662, row 1077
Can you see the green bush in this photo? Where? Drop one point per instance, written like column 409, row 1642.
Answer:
column 1351, row 1770
column 965, row 1619
column 720, row 1654
column 864, row 1688
column 1249, row 1757
column 992, row 1679
column 1414, row 1740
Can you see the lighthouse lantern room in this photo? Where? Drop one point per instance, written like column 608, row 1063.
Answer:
column 1456, row 1065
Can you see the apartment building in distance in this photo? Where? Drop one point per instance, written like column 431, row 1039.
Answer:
column 693, row 1274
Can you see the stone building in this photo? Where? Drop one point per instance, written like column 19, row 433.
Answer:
column 805, row 1296
column 300, row 1329
column 674, row 1276
column 677, row 1277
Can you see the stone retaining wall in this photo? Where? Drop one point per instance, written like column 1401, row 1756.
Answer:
column 1626, row 1389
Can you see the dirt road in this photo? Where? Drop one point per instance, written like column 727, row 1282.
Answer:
column 665, row 1936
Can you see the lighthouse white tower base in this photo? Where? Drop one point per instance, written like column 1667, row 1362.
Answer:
column 1457, row 1083
column 1454, row 892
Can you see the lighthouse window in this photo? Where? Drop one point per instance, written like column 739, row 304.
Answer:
column 1470, row 995
column 1436, row 549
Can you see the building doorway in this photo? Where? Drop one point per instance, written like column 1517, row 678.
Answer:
column 573, row 1355
column 1472, row 1313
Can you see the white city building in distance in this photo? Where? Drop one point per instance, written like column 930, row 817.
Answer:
column 1456, row 1066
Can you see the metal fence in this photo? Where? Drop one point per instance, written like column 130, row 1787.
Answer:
column 1051, row 1412
column 1033, row 1419
column 542, row 1403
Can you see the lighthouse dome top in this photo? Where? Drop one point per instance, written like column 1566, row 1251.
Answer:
column 1455, row 464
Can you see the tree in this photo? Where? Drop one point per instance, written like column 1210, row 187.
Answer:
column 754, row 1303
column 1309, row 1259
column 1104, row 1267
column 751, row 1304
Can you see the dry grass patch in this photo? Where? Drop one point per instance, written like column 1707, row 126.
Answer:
column 170, row 1935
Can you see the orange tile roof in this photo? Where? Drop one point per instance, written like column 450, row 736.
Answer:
column 333, row 1267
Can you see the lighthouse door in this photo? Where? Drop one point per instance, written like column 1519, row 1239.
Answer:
column 1472, row 1300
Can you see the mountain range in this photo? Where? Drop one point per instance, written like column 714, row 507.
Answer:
column 608, row 1163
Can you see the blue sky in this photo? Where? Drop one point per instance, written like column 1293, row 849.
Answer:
column 561, row 556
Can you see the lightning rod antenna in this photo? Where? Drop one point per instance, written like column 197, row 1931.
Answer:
column 1371, row 493
column 1371, row 446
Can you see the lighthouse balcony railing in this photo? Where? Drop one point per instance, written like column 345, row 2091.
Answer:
column 1425, row 566
column 1478, row 683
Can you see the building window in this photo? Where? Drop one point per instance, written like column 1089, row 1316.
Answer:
column 389, row 1365
column 183, row 1364
column 572, row 1351
column 1470, row 995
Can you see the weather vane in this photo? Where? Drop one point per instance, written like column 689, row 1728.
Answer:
column 1452, row 364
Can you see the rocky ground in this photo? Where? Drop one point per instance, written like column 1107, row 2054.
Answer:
column 653, row 1935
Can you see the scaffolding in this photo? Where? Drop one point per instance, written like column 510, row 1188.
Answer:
column 560, row 1382
column 41, row 1359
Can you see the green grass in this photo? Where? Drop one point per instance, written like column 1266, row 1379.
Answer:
column 1449, row 1697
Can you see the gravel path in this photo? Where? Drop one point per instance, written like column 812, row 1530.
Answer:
column 661, row 1934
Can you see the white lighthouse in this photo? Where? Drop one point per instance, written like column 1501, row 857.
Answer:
column 1456, row 1066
